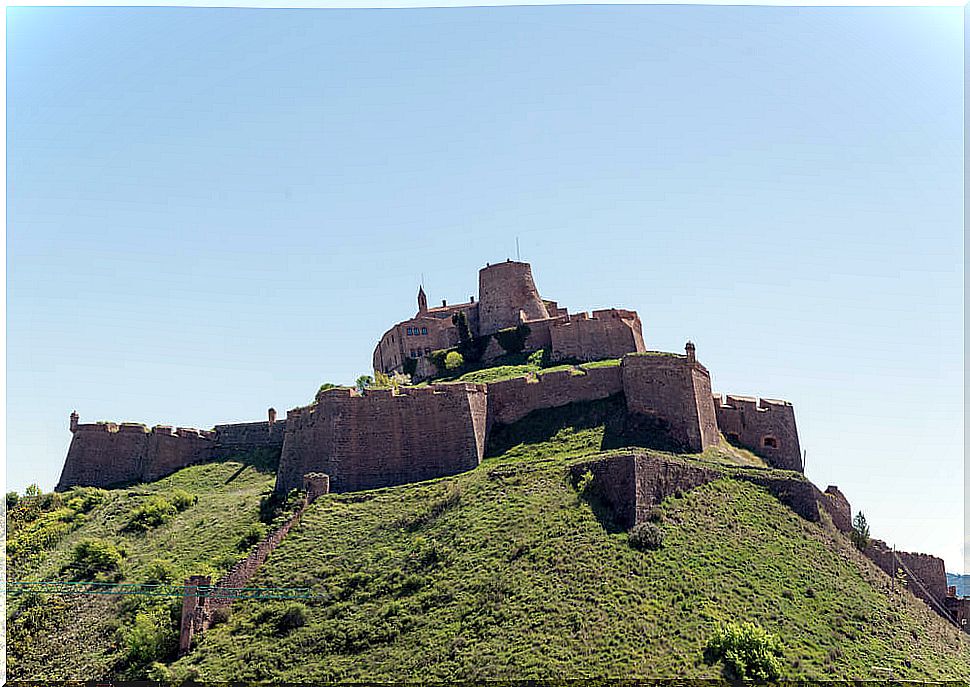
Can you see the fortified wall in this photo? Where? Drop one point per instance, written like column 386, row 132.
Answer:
column 105, row 454
column 764, row 426
column 384, row 437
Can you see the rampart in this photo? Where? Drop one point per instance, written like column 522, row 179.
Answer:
column 511, row 400
column 926, row 576
column 384, row 437
column 606, row 334
column 105, row 454
column 675, row 389
column 232, row 439
column 765, row 426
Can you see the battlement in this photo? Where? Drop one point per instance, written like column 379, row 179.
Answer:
column 763, row 425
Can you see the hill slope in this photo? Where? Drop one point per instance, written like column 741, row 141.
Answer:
column 507, row 572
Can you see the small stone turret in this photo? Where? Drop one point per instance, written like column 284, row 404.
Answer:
column 272, row 418
column 422, row 300
column 74, row 421
column 691, row 352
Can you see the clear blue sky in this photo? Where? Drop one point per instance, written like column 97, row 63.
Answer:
column 213, row 211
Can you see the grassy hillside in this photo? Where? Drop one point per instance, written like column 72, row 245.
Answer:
column 505, row 572
column 74, row 637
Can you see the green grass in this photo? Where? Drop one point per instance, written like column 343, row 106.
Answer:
column 505, row 572
column 60, row 638
column 517, row 365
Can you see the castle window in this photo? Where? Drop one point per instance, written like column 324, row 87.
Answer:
column 424, row 330
column 770, row 442
column 409, row 331
column 733, row 438
column 427, row 350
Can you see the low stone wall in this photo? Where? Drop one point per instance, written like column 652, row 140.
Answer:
column 606, row 334
column 243, row 437
column 512, row 399
column 927, row 576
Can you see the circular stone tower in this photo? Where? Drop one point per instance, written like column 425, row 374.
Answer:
column 504, row 291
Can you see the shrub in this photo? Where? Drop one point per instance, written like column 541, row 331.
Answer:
column 160, row 572
column 155, row 511
column 219, row 615
column 437, row 359
column 453, row 361
column 325, row 386
column 540, row 358
column 254, row 534
column 512, row 340
column 410, row 366
column 83, row 499
column 13, row 498
column 151, row 636
column 182, row 499
column 747, row 651
column 92, row 557
column 584, row 482
column 860, row 532
column 646, row 536
column 292, row 617
column 363, row 382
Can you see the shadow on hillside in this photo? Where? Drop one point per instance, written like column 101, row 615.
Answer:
column 264, row 460
column 620, row 428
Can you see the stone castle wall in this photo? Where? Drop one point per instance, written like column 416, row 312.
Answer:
column 242, row 437
column 765, row 426
column 105, row 454
column 926, row 574
column 674, row 389
column 606, row 334
column 512, row 399
column 384, row 437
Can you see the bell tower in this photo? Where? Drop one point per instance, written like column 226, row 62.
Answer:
column 422, row 300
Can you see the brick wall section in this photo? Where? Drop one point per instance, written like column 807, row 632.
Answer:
column 928, row 570
column 606, row 334
column 749, row 421
column 384, row 438
column 512, row 399
column 504, row 290
column 106, row 454
column 667, row 386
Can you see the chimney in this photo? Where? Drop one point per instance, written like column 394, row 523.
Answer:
column 74, row 419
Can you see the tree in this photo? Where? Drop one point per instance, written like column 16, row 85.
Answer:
column 453, row 361
column 860, row 531
column 363, row 382
column 325, row 386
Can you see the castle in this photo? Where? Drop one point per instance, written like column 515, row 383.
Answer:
column 348, row 440
column 383, row 437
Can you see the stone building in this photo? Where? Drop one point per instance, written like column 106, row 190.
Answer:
column 508, row 297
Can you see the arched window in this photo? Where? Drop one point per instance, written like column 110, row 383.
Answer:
column 424, row 330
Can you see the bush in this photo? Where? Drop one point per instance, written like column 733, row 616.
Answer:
column 151, row 636
column 747, row 651
column 410, row 366
column 292, row 617
column 182, row 499
column 83, row 499
column 253, row 535
column 92, row 557
column 646, row 536
column 155, row 511
column 540, row 358
column 437, row 359
column 160, row 572
column 512, row 340
column 453, row 361
column 13, row 498
column 219, row 615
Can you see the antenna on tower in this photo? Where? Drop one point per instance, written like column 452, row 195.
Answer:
column 422, row 280
column 517, row 257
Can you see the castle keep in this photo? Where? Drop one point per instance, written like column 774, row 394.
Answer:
column 507, row 298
